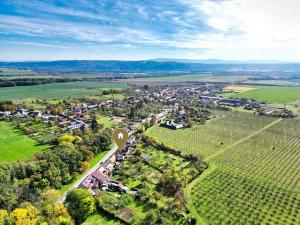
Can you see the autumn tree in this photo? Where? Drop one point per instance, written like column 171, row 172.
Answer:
column 28, row 215
column 84, row 166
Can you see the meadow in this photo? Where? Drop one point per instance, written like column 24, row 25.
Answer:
column 101, row 218
column 15, row 145
column 107, row 121
column 253, row 178
column 57, row 90
column 270, row 94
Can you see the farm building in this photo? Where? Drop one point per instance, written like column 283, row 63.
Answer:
column 172, row 125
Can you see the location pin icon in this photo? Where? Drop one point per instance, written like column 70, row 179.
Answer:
column 120, row 137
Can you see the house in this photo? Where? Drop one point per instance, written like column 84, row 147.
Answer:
column 93, row 106
column 75, row 125
column 88, row 182
column 37, row 113
column 100, row 178
column 119, row 157
column 5, row 114
column 64, row 123
column 230, row 102
column 131, row 142
column 110, row 166
column 21, row 113
column 117, row 186
column 103, row 170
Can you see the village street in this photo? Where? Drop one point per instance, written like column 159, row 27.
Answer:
column 111, row 152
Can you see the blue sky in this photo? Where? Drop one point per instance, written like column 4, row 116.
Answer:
column 144, row 29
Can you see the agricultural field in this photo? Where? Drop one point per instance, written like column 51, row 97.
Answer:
column 253, row 178
column 191, row 78
column 270, row 94
column 227, row 197
column 57, row 90
column 272, row 155
column 238, row 88
column 15, row 145
column 212, row 137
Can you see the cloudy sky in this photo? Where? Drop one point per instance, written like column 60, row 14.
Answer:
column 144, row 29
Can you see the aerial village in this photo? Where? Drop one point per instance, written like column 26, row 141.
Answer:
column 86, row 127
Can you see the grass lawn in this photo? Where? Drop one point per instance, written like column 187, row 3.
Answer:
column 57, row 90
column 15, row 145
column 101, row 219
column 270, row 94
column 107, row 121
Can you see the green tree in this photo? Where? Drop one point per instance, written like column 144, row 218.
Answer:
column 80, row 204
column 94, row 124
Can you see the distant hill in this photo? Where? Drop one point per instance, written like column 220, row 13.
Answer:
column 212, row 66
column 221, row 61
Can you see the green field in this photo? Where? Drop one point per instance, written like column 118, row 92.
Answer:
column 107, row 121
column 100, row 219
column 253, row 177
column 57, row 90
column 270, row 94
column 191, row 78
column 211, row 138
column 15, row 145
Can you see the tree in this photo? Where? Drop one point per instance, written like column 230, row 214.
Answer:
column 189, row 122
column 94, row 124
column 69, row 138
column 150, row 218
column 5, row 218
column 57, row 110
column 153, row 120
column 55, row 213
column 84, row 166
column 80, row 204
column 170, row 183
column 28, row 215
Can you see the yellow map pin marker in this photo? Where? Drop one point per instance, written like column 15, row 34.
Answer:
column 120, row 137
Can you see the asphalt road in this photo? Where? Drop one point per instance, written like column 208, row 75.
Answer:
column 111, row 152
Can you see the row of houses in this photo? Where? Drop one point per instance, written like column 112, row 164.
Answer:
column 157, row 118
column 101, row 177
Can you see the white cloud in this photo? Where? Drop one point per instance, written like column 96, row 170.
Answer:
column 78, row 31
column 259, row 25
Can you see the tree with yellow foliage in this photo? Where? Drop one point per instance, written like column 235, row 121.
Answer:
column 25, row 216
column 69, row 138
column 55, row 213
column 84, row 166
